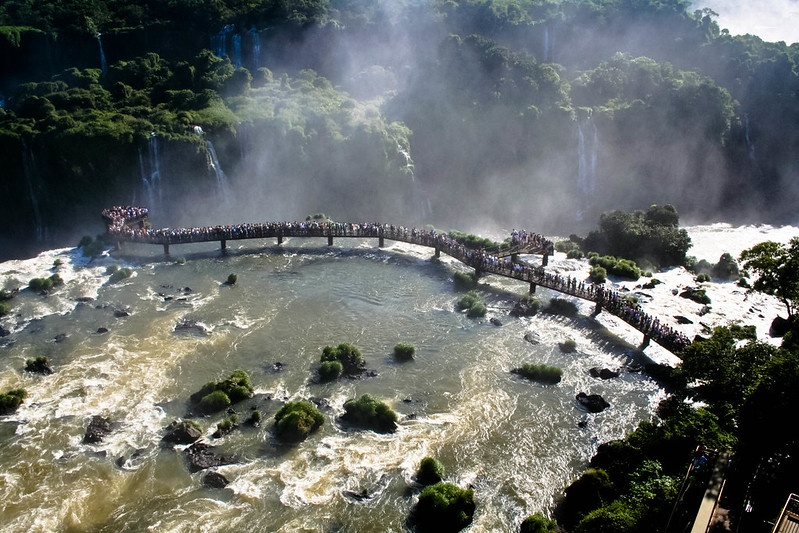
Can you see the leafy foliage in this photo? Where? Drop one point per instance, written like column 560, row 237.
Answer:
column 370, row 413
column 404, row 351
column 330, row 370
column 11, row 400
column 217, row 395
column 473, row 305
column 295, row 421
column 444, row 507
column 652, row 236
column 348, row 355
column 777, row 269
column 538, row 523
column 542, row 373
column 624, row 268
column 430, row 471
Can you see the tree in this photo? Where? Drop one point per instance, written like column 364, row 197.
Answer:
column 777, row 269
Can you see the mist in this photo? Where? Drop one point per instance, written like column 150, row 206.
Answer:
column 452, row 115
column 771, row 20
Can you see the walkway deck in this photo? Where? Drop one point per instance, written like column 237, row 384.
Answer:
column 129, row 225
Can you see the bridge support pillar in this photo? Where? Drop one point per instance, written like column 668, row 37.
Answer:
column 532, row 287
column 330, row 240
column 438, row 253
column 166, row 249
column 477, row 273
column 381, row 242
column 645, row 343
column 279, row 240
column 224, row 244
column 545, row 260
column 514, row 258
column 598, row 308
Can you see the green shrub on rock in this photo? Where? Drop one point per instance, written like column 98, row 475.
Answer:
column 120, row 274
column 560, row 306
column 11, row 400
column 568, row 346
column 297, row 420
column 330, row 370
column 404, row 351
column 598, row 274
column 4, row 309
column 473, row 304
column 370, row 413
column 464, row 281
column 444, row 507
column 541, row 373
column 430, row 471
column 217, row 395
column 348, row 355
column 538, row 523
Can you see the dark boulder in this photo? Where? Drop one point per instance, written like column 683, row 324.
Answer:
column 98, row 428
column 215, row 480
column 102, row 330
column 61, row 337
column 4, row 332
column 121, row 313
column 593, row 402
column 531, row 338
column 182, row 432
column 495, row 321
column 683, row 320
column 602, row 373
column 779, row 327
column 200, row 456
column 40, row 365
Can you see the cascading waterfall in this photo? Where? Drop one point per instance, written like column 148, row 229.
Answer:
column 151, row 173
column 103, row 63
column 750, row 146
column 29, row 168
column 222, row 183
column 587, row 154
column 237, row 50
column 547, row 45
column 219, row 41
column 255, row 39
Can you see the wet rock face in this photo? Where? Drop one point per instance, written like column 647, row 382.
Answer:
column 215, row 480
column 200, row 456
column 603, row 373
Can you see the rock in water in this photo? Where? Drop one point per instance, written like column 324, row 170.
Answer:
column 182, row 432
column 98, row 428
column 215, row 480
column 602, row 373
column 201, row 456
column 593, row 402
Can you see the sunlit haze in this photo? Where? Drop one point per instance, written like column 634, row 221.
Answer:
column 771, row 20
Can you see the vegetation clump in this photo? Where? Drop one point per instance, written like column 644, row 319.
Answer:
column 330, row 371
column 11, row 400
column 616, row 266
column 651, row 236
column 430, row 471
column 598, row 274
column 561, row 306
column 370, row 413
column 473, row 241
column 540, row 373
column 568, row 346
column 350, row 358
column 119, row 274
column 217, row 395
column 4, row 309
column 404, row 351
column 443, row 507
column 40, row 365
column 473, row 305
column 226, row 426
column 464, row 281
column 538, row 523
column 295, row 421
column 45, row 284
column 528, row 305
column 232, row 279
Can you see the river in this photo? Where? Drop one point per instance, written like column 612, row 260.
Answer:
column 517, row 443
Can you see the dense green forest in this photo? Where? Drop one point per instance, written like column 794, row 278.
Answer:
column 541, row 113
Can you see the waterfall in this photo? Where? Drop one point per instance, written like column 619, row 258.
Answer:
column 546, row 44
column 237, row 50
column 256, row 47
column 750, row 146
column 222, row 183
column 406, row 157
column 219, row 41
column 587, row 154
column 29, row 168
column 103, row 64
column 151, row 174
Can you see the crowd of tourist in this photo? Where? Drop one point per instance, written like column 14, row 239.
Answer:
column 128, row 223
